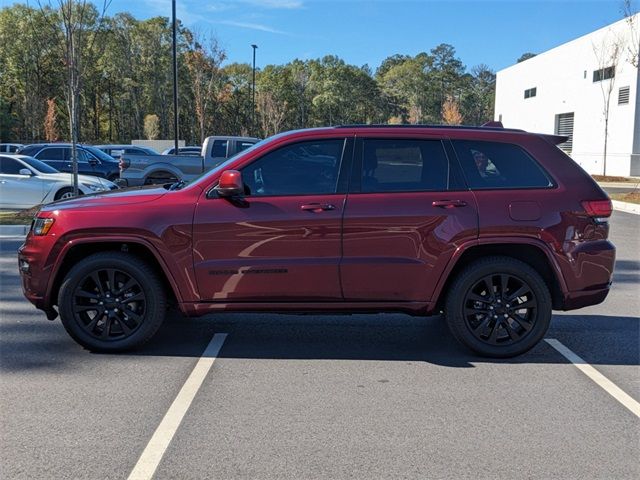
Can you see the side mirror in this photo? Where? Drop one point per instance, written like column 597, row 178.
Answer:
column 230, row 184
column 26, row 172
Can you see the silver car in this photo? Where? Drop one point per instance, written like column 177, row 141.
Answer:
column 26, row 182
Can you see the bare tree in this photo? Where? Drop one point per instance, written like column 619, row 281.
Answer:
column 203, row 63
column 272, row 112
column 608, row 54
column 80, row 30
column 633, row 48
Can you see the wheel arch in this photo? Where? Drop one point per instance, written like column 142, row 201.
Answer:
column 75, row 251
column 526, row 250
column 162, row 168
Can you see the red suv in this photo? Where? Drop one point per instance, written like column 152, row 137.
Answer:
column 494, row 227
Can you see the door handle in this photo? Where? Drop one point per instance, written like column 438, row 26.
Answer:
column 449, row 203
column 317, row 207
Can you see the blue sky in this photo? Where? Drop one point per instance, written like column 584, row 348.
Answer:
column 362, row 32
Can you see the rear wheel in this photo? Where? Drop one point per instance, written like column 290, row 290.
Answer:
column 111, row 301
column 65, row 193
column 498, row 307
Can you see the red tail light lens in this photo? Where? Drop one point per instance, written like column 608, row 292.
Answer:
column 598, row 208
column 123, row 164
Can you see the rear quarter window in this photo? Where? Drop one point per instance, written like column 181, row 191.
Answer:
column 495, row 165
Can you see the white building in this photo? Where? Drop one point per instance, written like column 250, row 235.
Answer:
column 563, row 91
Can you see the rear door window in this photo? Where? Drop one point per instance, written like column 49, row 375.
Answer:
column 219, row 148
column 396, row 165
column 494, row 165
column 53, row 154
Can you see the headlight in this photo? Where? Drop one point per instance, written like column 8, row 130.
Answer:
column 41, row 226
column 95, row 188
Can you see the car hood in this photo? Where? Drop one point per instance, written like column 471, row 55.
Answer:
column 109, row 199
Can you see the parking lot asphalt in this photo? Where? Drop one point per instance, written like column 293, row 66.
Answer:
column 336, row 397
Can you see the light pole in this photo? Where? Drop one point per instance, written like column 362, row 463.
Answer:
column 175, row 78
column 253, row 93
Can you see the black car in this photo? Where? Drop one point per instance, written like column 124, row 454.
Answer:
column 91, row 161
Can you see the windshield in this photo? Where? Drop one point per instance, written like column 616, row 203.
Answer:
column 100, row 154
column 38, row 165
column 224, row 162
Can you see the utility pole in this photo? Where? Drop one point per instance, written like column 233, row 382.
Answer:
column 253, row 93
column 175, row 79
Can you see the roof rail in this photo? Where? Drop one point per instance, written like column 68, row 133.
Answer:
column 486, row 126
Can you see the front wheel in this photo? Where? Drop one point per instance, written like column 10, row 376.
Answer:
column 111, row 301
column 498, row 307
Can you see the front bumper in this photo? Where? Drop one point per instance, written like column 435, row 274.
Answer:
column 35, row 280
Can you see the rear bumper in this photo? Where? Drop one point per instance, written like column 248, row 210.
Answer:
column 584, row 298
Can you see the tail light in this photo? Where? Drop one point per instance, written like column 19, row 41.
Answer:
column 600, row 210
column 123, row 163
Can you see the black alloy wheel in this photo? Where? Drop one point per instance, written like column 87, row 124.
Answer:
column 112, row 301
column 109, row 304
column 498, row 307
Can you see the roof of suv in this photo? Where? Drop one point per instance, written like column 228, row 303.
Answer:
column 493, row 126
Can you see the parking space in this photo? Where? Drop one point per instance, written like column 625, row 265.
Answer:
column 380, row 396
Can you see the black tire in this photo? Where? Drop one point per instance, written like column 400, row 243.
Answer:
column 65, row 193
column 133, row 302
column 495, row 317
column 113, row 178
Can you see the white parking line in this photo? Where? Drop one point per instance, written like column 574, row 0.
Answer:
column 152, row 454
column 608, row 386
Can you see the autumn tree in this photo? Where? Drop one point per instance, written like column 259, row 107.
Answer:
column 151, row 127
column 51, row 122
column 450, row 112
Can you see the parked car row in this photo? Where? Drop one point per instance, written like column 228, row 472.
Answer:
column 28, row 181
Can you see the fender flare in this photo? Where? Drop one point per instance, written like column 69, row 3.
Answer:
column 512, row 240
column 130, row 239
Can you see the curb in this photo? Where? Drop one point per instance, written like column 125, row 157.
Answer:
column 626, row 207
column 13, row 230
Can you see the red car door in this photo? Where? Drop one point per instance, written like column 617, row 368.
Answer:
column 406, row 213
column 282, row 240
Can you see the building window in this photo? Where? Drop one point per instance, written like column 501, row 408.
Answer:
column 564, row 127
column 530, row 92
column 604, row 74
column 623, row 96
